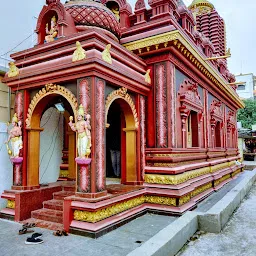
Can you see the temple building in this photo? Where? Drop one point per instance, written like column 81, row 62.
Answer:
column 145, row 97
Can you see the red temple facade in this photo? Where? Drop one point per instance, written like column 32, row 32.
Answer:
column 153, row 97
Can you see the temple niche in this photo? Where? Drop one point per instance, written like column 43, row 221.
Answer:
column 143, row 113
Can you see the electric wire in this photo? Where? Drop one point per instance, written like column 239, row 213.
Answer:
column 18, row 44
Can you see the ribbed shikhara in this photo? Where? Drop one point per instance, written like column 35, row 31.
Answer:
column 213, row 27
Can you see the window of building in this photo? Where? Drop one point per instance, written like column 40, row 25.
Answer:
column 192, row 130
column 241, row 87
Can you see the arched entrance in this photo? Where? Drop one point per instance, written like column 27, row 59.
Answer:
column 119, row 101
column 45, row 98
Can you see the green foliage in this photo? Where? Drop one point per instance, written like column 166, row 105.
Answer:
column 247, row 116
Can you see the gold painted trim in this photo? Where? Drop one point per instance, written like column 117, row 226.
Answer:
column 176, row 179
column 107, row 212
column 121, row 93
column 10, row 204
column 184, row 46
column 48, row 90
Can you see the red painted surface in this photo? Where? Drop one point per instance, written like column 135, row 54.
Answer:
column 178, row 92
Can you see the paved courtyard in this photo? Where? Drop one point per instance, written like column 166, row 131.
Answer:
column 116, row 243
column 238, row 237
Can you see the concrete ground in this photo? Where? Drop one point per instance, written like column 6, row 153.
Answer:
column 116, row 243
column 238, row 237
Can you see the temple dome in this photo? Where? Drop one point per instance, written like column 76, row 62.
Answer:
column 201, row 6
column 92, row 13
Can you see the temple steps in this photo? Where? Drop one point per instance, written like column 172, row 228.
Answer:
column 51, row 215
column 54, row 205
column 48, row 215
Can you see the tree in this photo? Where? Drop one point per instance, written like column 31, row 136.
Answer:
column 247, row 116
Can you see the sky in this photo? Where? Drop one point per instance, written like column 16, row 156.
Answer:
column 18, row 21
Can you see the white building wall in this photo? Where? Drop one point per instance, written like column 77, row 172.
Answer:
column 6, row 172
column 247, row 92
column 51, row 145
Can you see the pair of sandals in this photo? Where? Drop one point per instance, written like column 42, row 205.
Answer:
column 60, row 233
column 25, row 228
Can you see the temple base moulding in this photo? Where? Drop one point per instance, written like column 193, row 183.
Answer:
column 25, row 187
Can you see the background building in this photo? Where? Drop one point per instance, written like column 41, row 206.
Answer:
column 247, row 90
column 6, row 167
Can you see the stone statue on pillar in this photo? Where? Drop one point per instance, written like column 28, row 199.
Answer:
column 15, row 136
column 82, row 127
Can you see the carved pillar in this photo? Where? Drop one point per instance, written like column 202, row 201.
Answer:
column 213, row 125
column 161, row 105
column 92, row 178
column 142, row 136
column 99, row 106
column 184, row 112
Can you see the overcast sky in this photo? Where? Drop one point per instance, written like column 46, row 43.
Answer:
column 18, row 20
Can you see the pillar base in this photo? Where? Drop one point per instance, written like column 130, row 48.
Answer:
column 17, row 171
column 92, row 195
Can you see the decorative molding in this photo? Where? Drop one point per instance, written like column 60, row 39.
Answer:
column 216, row 110
column 121, row 93
column 92, row 217
column 176, row 39
column 48, row 90
column 189, row 96
column 176, row 179
column 64, row 173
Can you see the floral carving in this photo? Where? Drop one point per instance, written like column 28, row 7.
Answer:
column 47, row 90
column 189, row 95
column 122, row 94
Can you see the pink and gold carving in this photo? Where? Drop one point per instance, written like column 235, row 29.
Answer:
column 161, row 106
column 121, row 93
column 142, row 135
column 84, row 174
column 18, row 107
column 84, row 95
column 100, row 135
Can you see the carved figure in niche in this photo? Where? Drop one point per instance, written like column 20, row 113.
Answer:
column 82, row 127
column 79, row 53
column 13, row 70
column 115, row 10
column 53, row 32
column 15, row 136
column 106, row 56
column 147, row 77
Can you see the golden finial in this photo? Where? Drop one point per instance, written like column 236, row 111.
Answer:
column 106, row 56
column 79, row 53
column 13, row 70
column 147, row 77
column 81, row 110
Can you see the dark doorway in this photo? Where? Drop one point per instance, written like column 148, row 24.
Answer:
column 113, row 142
